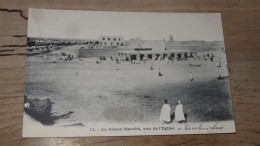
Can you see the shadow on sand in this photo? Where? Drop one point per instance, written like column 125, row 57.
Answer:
column 173, row 117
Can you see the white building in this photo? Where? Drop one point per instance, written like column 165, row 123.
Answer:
column 111, row 41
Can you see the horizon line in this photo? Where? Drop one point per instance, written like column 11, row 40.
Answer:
column 128, row 39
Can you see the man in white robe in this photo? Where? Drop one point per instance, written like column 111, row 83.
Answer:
column 191, row 78
column 179, row 115
column 165, row 116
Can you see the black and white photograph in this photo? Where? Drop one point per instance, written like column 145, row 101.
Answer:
column 101, row 73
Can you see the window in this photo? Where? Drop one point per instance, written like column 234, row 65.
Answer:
column 103, row 39
column 108, row 38
column 114, row 39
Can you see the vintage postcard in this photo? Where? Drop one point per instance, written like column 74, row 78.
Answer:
column 94, row 73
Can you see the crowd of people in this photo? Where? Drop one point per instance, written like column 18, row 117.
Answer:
column 54, row 57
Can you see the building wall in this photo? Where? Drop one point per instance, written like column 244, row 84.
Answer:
column 87, row 53
column 156, row 45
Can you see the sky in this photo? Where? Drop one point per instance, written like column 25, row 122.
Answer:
column 75, row 24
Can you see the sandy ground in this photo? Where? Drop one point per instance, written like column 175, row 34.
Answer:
column 128, row 92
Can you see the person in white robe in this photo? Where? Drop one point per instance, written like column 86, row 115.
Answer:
column 179, row 115
column 27, row 105
column 191, row 78
column 165, row 116
column 151, row 66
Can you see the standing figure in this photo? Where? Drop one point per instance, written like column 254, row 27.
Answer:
column 159, row 72
column 159, row 58
column 165, row 116
column 27, row 104
column 218, row 63
column 137, row 60
column 179, row 115
column 191, row 78
column 153, row 58
column 151, row 66
column 211, row 57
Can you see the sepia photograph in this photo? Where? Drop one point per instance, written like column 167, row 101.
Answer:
column 101, row 73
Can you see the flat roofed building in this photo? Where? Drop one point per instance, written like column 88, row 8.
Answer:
column 111, row 41
column 173, row 54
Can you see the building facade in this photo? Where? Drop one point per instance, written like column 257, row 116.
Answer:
column 113, row 41
column 156, row 55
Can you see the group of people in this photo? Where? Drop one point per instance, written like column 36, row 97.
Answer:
column 208, row 56
column 70, row 57
column 54, row 58
column 101, row 58
column 165, row 116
